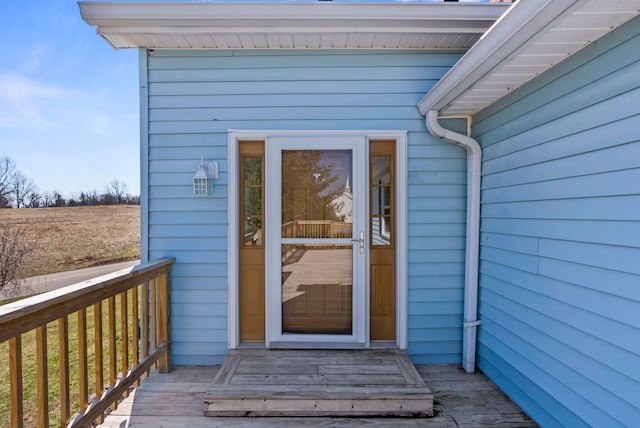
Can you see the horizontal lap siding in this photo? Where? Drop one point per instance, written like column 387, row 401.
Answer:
column 560, row 236
column 437, row 215
column 195, row 97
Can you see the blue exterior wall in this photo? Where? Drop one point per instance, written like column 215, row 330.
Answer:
column 560, row 239
column 195, row 97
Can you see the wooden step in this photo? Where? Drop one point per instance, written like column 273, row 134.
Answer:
column 365, row 383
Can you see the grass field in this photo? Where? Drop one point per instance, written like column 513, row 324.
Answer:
column 76, row 237
column 65, row 239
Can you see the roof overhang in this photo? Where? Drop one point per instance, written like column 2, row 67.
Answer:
column 528, row 39
column 300, row 25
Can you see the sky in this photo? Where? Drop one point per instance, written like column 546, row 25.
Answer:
column 69, row 101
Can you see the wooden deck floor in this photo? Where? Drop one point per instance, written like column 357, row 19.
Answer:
column 176, row 400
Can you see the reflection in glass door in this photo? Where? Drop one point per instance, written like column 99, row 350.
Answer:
column 317, row 279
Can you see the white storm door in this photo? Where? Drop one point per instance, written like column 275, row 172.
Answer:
column 316, row 241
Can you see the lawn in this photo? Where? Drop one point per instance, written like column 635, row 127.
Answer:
column 76, row 237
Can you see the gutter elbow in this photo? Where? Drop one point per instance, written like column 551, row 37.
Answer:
column 435, row 129
column 434, row 126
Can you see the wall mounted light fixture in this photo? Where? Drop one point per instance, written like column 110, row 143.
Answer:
column 203, row 179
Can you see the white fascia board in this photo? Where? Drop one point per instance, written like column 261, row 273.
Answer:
column 98, row 13
column 194, row 18
column 373, row 29
column 504, row 39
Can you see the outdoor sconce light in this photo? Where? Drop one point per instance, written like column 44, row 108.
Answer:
column 204, row 178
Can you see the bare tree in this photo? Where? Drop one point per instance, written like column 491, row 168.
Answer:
column 4, row 202
column 48, row 198
column 13, row 248
column 117, row 189
column 58, row 200
column 7, row 171
column 35, row 199
column 21, row 188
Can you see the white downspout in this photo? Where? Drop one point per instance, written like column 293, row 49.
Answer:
column 474, row 165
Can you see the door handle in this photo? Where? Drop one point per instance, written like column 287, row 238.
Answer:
column 361, row 241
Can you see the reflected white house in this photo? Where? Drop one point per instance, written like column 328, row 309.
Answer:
column 343, row 203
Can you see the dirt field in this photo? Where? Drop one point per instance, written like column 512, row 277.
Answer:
column 76, row 237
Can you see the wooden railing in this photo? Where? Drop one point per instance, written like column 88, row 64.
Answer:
column 313, row 229
column 137, row 331
column 316, row 229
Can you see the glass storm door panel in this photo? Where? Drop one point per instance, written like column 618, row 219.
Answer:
column 318, row 271
column 317, row 279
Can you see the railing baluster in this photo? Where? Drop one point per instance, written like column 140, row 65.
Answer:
column 124, row 332
column 153, row 315
column 144, row 304
column 15, row 380
column 98, row 369
column 63, row 362
column 135, row 325
column 83, row 371
column 43, row 376
column 113, row 360
column 164, row 328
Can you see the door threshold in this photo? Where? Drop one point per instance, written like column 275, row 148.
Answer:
column 251, row 345
column 379, row 344
column 383, row 344
column 314, row 345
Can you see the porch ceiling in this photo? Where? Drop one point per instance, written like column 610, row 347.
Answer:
column 314, row 25
column 530, row 38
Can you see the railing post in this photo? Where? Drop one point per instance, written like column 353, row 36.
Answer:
column 164, row 320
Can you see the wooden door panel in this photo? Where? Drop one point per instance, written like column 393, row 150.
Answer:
column 382, row 247
column 251, row 275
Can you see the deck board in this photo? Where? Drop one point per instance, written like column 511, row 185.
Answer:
column 457, row 403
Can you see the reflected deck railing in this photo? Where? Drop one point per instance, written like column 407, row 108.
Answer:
column 313, row 229
column 137, row 338
column 316, row 229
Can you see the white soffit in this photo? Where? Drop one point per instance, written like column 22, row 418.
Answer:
column 533, row 36
column 316, row 25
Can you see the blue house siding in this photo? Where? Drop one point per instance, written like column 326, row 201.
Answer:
column 560, row 238
column 194, row 98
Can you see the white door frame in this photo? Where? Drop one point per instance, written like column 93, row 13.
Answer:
column 234, row 136
column 273, row 237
